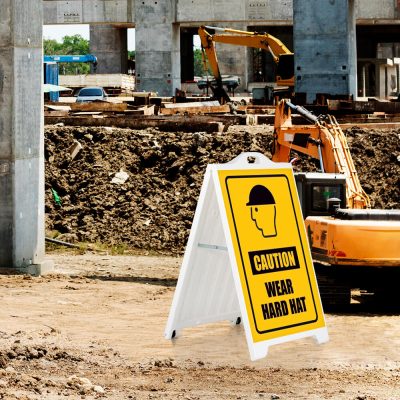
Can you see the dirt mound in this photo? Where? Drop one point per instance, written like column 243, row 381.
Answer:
column 140, row 188
column 376, row 156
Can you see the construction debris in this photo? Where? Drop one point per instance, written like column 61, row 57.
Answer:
column 103, row 106
column 143, row 111
column 166, row 124
column 154, row 208
column 206, row 107
column 75, row 149
column 120, row 177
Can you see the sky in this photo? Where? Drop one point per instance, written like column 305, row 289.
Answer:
column 57, row 32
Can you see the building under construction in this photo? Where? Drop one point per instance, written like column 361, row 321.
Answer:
column 347, row 46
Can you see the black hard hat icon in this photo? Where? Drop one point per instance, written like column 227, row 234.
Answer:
column 260, row 195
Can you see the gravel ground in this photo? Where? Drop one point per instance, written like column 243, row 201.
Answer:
column 94, row 330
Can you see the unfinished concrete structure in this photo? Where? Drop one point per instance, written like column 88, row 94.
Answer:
column 21, row 138
column 164, row 30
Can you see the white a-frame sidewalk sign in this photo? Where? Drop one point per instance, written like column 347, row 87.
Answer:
column 248, row 257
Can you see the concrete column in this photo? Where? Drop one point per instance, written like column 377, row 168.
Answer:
column 21, row 138
column 158, row 65
column 364, row 80
column 380, row 80
column 232, row 59
column 110, row 45
column 324, row 47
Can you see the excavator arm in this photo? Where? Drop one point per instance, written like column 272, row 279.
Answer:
column 208, row 47
column 244, row 38
column 324, row 140
column 249, row 39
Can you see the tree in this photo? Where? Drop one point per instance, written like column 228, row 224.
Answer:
column 75, row 44
column 72, row 45
column 199, row 64
column 51, row 46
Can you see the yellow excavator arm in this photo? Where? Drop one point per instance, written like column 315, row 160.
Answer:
column 324, row 140
column 249, row 39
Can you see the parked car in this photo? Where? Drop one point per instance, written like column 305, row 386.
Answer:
column 91, row 94
column 230, row 81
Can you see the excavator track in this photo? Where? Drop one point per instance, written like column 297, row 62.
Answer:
column 334, row 290
column 377, row 285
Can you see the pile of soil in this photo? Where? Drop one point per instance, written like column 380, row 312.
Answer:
column 153, row 209
column 376, row 156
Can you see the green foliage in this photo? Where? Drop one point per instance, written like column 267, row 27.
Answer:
column 131, row 54
column 199, row 64
column 73, row 45
column 51, row 46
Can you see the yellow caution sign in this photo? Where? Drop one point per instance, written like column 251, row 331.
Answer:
column 271, row 249
column 247, row 258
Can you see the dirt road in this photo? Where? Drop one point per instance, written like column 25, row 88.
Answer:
column 95, row 330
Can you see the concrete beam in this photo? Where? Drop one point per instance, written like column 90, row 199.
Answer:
column 21, row 138
column 89, row 12
column 250, row 12
column 373, row 11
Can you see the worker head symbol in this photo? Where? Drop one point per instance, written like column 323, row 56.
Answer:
column 263, row 210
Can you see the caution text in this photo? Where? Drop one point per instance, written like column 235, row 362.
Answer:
column 273, row 260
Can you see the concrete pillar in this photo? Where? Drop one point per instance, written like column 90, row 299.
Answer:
column 158, row 65
column 380, row 80
column 110, row 45
column 397, row 63
column 232, row 59
column 364, row 81
column 21, row 138
column 325, row 47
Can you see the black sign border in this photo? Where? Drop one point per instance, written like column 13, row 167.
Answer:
column 241, row 254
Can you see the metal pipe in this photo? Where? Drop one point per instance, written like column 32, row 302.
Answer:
column 61, row 242
column 321, row 160
column 302, row 111
column 230, row 30
column 215, row 28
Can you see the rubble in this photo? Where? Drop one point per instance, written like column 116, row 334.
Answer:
column 154, row 208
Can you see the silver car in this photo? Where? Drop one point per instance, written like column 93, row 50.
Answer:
column 88, row 94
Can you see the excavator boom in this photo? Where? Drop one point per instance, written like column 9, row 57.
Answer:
column 250, row 39
column 278, row 51
column 323, row 140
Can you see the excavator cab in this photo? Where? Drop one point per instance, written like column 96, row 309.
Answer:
column 320, row 193
column 285, row 69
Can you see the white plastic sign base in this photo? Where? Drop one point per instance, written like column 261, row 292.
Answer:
column 248, row 257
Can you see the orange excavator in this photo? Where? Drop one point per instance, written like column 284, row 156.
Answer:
column 282, row 56
column 353, row 246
